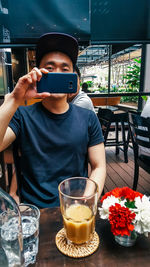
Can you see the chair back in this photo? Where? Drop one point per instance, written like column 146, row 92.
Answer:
column 140, row 130
column 104, row 116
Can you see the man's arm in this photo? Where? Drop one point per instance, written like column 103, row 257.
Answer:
column 97, row 161
column 24, row 89
column 7, row 110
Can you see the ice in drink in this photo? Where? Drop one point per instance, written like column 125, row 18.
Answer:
column 9, row 233
column 10, row 242
column 30, row 230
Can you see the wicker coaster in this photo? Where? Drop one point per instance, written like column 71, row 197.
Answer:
column 76, row 251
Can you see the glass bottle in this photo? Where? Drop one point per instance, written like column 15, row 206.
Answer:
column 11, row 242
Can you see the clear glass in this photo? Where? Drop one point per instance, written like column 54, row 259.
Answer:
column 11, row 243
column 78, row 202
column 30, row 216
column 126, row 241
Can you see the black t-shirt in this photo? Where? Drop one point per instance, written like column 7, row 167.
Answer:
column 53, row 148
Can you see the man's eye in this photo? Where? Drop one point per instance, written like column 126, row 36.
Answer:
column 65, row 69
column 49, row 68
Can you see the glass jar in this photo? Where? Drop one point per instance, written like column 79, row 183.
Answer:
column 126, row 241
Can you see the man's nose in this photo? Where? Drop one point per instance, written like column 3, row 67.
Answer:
column 58, row 70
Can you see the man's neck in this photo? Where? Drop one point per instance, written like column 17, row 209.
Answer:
column 56, row 106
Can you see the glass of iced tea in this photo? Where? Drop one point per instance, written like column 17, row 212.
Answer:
column 78, row 203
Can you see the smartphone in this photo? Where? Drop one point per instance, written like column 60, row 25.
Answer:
column 58, row 83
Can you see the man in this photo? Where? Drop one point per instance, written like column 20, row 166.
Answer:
column 56, row 139
column 80, row 98
column 85, row 88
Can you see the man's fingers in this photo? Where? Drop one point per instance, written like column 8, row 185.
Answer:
column 42, row 95
column 26, row 79
column 34, row 77
column 44, row 70
column 35, row 74
column 26, row 87
column 39, row 72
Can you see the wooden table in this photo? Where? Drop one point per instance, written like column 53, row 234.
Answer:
column 108, row 254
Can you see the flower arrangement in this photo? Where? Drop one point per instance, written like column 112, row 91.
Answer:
column 126, row 210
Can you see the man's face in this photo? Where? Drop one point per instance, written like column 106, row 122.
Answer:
column 57, row 62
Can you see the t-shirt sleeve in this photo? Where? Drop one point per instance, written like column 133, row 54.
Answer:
column 15, row 123
column 95, row 131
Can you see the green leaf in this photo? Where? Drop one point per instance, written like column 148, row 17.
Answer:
column 145, row 97
column 137, row 60
column 130, row 204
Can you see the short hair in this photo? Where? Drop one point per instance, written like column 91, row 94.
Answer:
column 76, row 69
column 84, row 86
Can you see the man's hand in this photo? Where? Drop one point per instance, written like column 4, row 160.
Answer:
column 26, row 86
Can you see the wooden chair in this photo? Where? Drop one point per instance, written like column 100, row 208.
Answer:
column 114, row 121
column 6, row 168
column 3, row 180
column 140, row 135
column 17, row 162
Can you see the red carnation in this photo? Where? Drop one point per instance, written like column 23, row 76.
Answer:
column 121, row 220
column 105, row 196
column 137, row 194
column 115, row 192
column 129, row 194
column 124, row 192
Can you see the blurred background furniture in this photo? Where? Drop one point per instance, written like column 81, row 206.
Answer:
column 6, row 168
column 3, row 180
column 140, row 134
column 112, row 119
column 105, row 101
column 17, row 163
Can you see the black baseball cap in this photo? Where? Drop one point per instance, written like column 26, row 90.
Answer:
column 55, row 41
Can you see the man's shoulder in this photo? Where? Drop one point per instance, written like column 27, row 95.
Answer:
column 28, row 112
column 29, row 108
column 83, row 100
column 82, row 94
column 82, row 110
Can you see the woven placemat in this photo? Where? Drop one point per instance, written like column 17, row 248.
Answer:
column 76, row 251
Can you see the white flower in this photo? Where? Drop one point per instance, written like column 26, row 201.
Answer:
column 142, row 219
column 107, row 203
column 142, row 203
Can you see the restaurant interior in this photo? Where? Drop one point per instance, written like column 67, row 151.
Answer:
column 114, row 60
